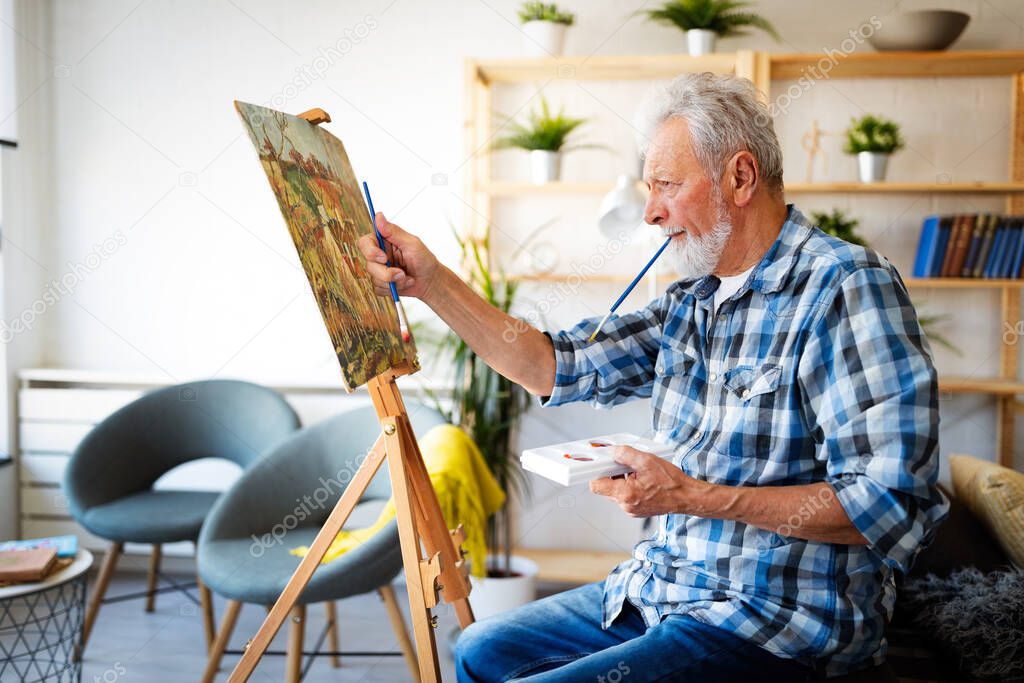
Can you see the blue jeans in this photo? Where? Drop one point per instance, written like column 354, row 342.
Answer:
column 559, row 638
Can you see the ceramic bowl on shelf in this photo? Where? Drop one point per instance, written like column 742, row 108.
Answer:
column 924, row 30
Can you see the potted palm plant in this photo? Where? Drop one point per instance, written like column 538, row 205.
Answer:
column 488, row 407
column 544, row 27
column 544, row 136
column 838, row 224
column 872, row 139
column 704, row 21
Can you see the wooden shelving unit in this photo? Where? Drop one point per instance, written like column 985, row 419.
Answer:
column 562, row 188
column 481, row 190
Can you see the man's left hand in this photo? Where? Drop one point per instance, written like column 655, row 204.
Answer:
column 654, row 487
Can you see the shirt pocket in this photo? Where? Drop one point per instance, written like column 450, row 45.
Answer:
column 750, row 409
column 676, row 396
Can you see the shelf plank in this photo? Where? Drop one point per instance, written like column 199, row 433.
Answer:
column 898, row 64
column 601, row 67
column 973, row 385
column 564, row 188
column 572, row 566
column 963, row 283
column 979, row 187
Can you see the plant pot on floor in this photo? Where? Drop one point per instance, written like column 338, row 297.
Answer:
column 700, row 42
column 545, row 166
column 543, row 38
column 872, row 166
column 496, row 594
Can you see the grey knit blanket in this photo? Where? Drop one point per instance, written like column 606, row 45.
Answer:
column 977, row 618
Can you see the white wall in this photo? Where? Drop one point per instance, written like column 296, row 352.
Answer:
column 129, row 138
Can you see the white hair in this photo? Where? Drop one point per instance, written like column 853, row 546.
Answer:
column 724, row 116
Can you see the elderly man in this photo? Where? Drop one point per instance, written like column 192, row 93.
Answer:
column 788, row 369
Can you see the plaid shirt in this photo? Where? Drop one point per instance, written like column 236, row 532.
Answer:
column 816, row 370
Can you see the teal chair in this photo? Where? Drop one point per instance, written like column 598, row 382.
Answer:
column 281, row 503
column 109, row 479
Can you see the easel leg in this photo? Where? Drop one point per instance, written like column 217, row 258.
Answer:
column 423, row 630
column 387, row 594
column 434, row 530
column 272, row 624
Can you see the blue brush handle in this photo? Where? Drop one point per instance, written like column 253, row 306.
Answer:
column 639, row 276
column 380, row 239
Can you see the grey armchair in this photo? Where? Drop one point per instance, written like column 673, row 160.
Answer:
column 280, row 503
column 110, row 475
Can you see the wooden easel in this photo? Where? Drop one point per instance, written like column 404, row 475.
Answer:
column 419, row 519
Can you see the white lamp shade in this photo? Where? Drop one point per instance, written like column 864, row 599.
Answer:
column 622, row 208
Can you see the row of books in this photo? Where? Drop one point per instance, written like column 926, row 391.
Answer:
column 984, row 245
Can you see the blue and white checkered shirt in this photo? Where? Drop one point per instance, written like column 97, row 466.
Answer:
column 815, row 370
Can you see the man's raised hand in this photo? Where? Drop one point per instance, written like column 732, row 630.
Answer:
column 413, row 266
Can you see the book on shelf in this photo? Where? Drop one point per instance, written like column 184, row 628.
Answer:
column 979, row 245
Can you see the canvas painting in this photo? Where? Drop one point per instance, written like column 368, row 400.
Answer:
column 323, row 207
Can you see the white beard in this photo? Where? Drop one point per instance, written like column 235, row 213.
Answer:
column 696, row 256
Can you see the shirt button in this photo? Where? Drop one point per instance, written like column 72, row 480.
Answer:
column 712, row 377
column 746, row 393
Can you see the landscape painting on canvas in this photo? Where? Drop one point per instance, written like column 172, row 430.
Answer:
column 323, row 207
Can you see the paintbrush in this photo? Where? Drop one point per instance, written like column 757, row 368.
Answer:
column 628, row 290
column 403, row 324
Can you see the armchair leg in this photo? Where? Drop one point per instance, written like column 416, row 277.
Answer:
column 296, row 636
column 332, row 632
column 206, row 607
column 227, row 626
column 387, row 593
column 154, row 570
column 98, row 591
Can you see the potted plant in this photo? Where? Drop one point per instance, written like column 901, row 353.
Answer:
column 704, row 21
column 872, row 139
column 488, row 407
column 837, row 224
column 544, row 137
column 544, row 27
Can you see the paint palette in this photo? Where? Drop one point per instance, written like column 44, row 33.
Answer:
column 575, row 462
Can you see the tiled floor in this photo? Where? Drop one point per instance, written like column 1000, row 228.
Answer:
column 167, row 645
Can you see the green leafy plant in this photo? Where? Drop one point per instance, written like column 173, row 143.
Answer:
column 720, row 16
column 542, row 131
column 837, row 224
column 485, row 404
column 928, row 323
column 873, row 134
column 539, row 11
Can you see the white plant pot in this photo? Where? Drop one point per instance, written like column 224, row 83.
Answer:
column 543, row 38
column 545, row 166
column 872, row 166
column 700, row 42
column 492, row 595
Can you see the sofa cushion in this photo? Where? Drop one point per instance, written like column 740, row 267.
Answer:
column 995, row 495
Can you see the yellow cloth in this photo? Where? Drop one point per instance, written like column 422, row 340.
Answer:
column 466, row 490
